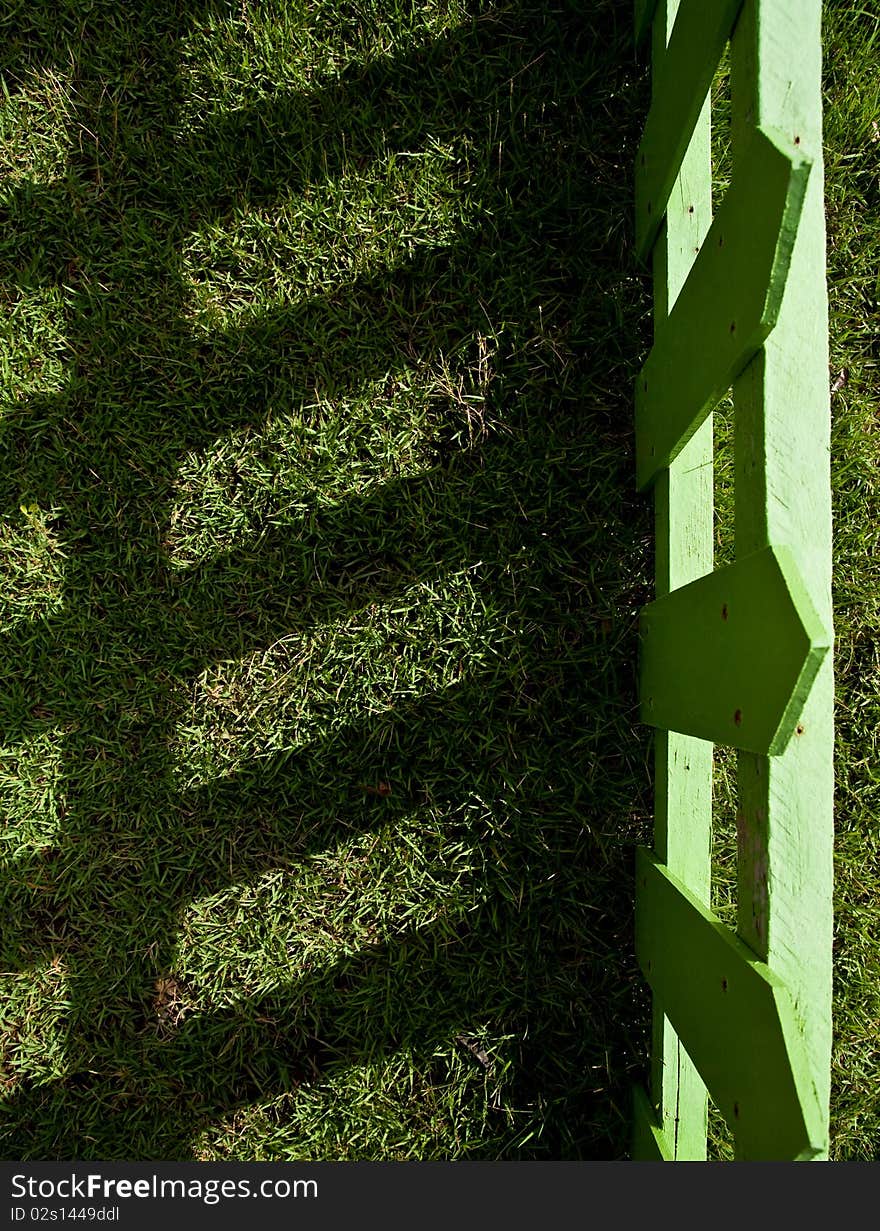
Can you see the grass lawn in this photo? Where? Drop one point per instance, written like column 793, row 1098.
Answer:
column 320, row 567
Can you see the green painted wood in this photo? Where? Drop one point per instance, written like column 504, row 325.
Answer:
column 735, row 1016
column 681, row 82
column 683, row 536
column 783, row 497
column 785, row 815
column 728, row 306
column 732, row 656
column 644, row 15
column 649, row 1140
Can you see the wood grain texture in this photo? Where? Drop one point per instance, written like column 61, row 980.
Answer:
column 785, row 816
column 683, row 539
column 727, row 307
column 649, row 1141
column 681, row 82
column 781, row 985
column 736, row 1015
column 732, row 656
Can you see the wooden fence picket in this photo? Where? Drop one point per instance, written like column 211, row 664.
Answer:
column 737, row 656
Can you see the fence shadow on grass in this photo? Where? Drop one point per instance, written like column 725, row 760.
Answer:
column 543, row 953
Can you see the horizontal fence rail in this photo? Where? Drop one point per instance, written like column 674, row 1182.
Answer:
column 737, row 656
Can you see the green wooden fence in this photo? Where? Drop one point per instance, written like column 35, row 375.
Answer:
column 738, row 656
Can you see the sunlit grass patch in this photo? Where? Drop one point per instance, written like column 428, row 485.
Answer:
column 278, row 46
column 310, row 685
column 365, row 221
column 35, row 126
column 34, row 355
column 33, row 1012
column 31, row 566
column 303, row 461
column 413, row 1108
column 259, row 938
column 31, row 793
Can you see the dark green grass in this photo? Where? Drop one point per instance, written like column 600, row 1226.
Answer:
column 320, row 567
column 852, row 128
column 321, row 561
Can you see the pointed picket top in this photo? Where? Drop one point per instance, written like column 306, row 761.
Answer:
column 731, row 657
column 736, row 1018
column 727, row 307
